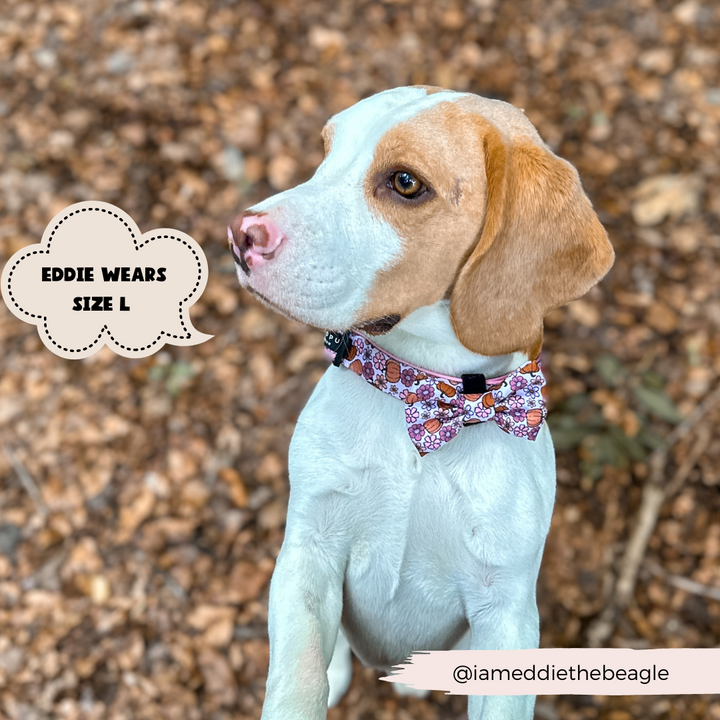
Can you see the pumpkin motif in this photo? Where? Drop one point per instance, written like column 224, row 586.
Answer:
column 443, row 405
column 392, row 371
column 420, row 376
column 446, row 389
column 411, row 398
column 472, row 397
column 432, row 425
column 531, row 367
column 356, row 367
column 352, row 353
column 488, row 400
column 534, row 417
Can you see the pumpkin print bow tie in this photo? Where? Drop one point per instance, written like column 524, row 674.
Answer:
column 437, row 407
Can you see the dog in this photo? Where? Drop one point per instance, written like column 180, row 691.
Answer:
column 431, row 241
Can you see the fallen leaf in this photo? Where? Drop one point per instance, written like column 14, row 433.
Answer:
column 662, row 196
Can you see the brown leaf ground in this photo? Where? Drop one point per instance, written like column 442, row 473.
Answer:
column 136, row 549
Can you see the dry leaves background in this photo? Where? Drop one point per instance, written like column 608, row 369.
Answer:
column 143, row 502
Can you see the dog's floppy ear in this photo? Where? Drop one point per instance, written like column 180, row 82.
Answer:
column 541, row 245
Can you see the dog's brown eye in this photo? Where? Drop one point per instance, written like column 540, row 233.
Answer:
column 406, row 184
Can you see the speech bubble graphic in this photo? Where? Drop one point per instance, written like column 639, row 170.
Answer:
column 95, row 280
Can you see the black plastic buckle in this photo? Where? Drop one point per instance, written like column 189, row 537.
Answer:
column 339, row 344
column 474, row 384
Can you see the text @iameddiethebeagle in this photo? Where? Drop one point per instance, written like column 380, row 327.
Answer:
column 563, row 671
column 95, row 280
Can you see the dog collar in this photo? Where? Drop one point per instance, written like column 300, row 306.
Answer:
column 438, row 406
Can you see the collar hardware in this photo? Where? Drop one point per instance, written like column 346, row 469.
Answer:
column 338, row 343
column 474, row 383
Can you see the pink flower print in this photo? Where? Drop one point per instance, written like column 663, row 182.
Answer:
column 448, row 432
column 533, row 433
column 517, row 383
column 520, row 431
column 368, row 371
column 484, row 413
column 379, row 362
column 411, row 415
column 380, row 382
column 517, row 415
column 431, row 442
column 416, row 431
column 359, row 343
column 407, row 377
column 425, row 392
column 516, row 401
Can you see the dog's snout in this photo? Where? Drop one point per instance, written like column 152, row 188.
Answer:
column 254, row 239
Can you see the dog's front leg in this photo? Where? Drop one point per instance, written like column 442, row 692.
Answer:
column 507, row 622
column 304, row 617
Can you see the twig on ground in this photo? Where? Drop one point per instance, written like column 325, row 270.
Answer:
column 683, row 583
column 26, row 480
column 47, row 577
column 655, row 491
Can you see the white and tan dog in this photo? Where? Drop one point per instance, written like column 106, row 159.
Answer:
column 440, row 224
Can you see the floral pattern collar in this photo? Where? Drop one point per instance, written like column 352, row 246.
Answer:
column 437, row 406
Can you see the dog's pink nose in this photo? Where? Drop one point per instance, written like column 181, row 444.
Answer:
column 253, row 239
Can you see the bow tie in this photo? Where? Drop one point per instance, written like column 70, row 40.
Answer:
column 436, row 406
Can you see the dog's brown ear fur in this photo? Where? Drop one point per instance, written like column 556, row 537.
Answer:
column 541, row 245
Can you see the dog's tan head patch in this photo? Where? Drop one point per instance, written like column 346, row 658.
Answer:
column 438, row 228
column 503, row 226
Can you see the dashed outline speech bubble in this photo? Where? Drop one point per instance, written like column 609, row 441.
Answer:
column 135, row 318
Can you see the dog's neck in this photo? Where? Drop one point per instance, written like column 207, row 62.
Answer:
column 425, row 338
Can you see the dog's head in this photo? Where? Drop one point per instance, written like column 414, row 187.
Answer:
column 427, row 194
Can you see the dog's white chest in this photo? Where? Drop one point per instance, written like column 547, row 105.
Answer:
column 400, row 591
column 413, row 528
column 421, row 535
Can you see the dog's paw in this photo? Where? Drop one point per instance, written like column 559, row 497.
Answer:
column 339, row 671
column 409, row 691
